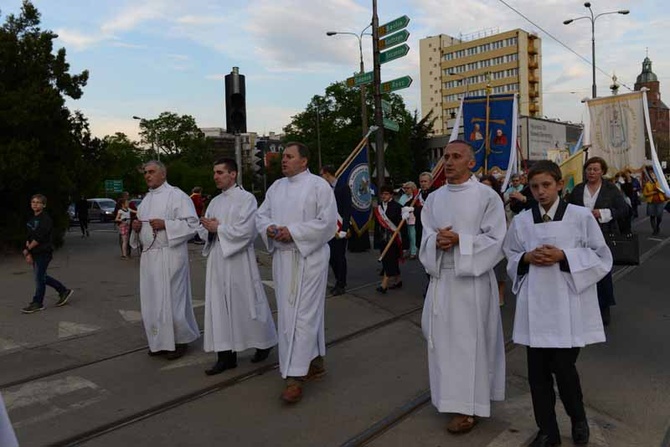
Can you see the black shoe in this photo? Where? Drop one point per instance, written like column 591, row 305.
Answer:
column 337, row 291
column 580, row 432
column 260, row 355
column 32, row 308
column 543, row 440
column 63, row 297
column 156, row 353
column 381, row 289
column 179, row 351
column 226, row 360
column 397, row 285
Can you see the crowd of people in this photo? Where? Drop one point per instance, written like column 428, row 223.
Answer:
column 468, row 235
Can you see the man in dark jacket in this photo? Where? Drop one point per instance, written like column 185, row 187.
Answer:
column 38, row 252
column 338, row 244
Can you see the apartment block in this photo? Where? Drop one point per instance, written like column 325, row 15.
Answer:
column 508, row 62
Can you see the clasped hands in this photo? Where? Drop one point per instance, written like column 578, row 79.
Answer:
column 446, row 239
column 210, row 224
column 280, row 234
column 156, row 224
column 544, row 255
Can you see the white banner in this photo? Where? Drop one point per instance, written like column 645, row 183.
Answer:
column 617, row 130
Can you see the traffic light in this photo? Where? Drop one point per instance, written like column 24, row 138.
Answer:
column 236, row 110
column 258, row 158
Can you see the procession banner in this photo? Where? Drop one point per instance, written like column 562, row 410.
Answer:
column 357, row 176
column 572, row 171
column 496, row 148
column 616, row 126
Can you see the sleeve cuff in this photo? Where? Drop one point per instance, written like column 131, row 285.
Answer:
column 523, row 267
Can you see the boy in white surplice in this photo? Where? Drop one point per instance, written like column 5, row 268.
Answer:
column 556, row 255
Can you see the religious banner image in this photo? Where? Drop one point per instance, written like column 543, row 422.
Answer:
column 357, row 176
column 572, row 171
column 489, row 125
column 617, row 130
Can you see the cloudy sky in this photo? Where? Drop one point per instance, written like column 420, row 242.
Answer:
column 150, row 56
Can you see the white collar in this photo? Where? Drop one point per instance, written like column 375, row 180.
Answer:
column 552, row 210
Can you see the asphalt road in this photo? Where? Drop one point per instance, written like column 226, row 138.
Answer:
column 79, row 375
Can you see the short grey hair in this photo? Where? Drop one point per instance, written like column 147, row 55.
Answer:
column 426, row 174
column 156, row 163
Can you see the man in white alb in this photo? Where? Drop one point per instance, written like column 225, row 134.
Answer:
column 166, row 220
column 463, row 232
column 296, row 221
column 237, row 314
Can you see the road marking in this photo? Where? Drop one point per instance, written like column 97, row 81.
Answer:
column 198, row 303
column 191, row 360
column 269, row 283
column 131, row 316
column 39, row 401
column 68, row 329
column 8, row 345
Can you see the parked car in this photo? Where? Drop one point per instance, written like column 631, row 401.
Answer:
column 74, row 220
column 101, row 209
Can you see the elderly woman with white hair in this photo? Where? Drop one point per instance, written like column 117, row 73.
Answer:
column 409, row 192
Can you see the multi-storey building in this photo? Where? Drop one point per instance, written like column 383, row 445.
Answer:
column 451, row 68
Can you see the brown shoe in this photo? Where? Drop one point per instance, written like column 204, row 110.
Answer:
column 461, row 423
column 292, row 394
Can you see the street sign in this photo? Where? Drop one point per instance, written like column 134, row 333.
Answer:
column 360, row 79
column 114, row 185
column 393, row 40
column 393, row 53
column 396, row 84
column 393, row 25
column 391, row 125
column 386, row 107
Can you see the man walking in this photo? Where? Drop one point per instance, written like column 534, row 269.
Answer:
column 237, row 314
column 338, row 244
column 38, row 252
column 166, row 220
column 463, row 232
column 296, row 221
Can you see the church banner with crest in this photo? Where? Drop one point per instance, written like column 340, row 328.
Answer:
column 617, row 130
column 490, row 126
column 357, row 176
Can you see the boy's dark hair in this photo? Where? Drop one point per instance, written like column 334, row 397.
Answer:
column 229, row 163
column 41, row 197
column 328, row 169
column 601, row 161
column 386, row 188
column 303, row 150
column 545, row 167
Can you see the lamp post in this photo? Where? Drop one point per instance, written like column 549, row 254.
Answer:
column 152, row 136
column 364, row 112
column 593, row 19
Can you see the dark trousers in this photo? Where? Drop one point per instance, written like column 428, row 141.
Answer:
column 83, row 224
column 40, row 264
column 542, row 363
column 605, row 288
column 338, row 261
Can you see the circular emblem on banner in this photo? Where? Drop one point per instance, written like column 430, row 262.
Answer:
column 359, row 182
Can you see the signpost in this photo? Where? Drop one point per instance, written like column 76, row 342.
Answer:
column 114, row 186
column 393, row 25
column 391, row 125
column 360, row 79
column 393, row 40
column 396, row 84
column 393, row 53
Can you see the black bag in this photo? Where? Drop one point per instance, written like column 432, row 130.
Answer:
column 625, row 248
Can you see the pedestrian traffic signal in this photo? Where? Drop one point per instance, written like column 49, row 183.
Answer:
column 258, row 158
column 236, row 113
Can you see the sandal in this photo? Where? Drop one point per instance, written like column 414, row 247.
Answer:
column 461, row 424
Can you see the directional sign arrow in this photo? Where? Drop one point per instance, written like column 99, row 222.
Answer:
column 393, row 39
column 391, row 125
column 360, row 79
column 393, row 25
column 393, row 53
column 396, row 84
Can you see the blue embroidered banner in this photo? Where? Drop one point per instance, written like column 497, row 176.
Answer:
column 494, row 157
column 357, row 176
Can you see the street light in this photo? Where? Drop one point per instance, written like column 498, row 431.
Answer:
column 151, row 134
column 593, row 19
column 364, row 112
column 463, row 78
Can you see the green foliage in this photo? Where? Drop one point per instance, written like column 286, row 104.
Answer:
column 38, row 134
column 172, row 134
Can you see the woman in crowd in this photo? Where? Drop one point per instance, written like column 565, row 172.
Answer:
column 655, row 198
column 607, row 205
column 409, row 192
column 122, row 219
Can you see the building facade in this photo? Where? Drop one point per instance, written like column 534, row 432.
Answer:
column 659, row 114
column 508, row 62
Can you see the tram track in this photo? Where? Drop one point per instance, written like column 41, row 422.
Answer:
column 202, row 392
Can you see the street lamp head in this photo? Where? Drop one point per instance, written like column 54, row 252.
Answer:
column 587, row 4
column 623, row 12
column 568, row 22
column 135, row 117
column 331, row 33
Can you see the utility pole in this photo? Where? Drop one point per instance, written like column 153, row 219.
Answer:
column 379, row 117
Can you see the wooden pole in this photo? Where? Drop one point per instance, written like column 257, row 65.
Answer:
column 355, row 152
column 436, row 170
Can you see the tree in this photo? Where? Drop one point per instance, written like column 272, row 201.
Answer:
column 172, row 134
column 38, row 144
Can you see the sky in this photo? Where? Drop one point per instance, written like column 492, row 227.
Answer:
column 150, row 56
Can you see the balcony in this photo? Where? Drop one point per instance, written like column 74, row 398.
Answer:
column 533, row 65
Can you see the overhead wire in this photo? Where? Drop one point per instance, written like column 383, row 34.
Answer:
column 559, row 41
